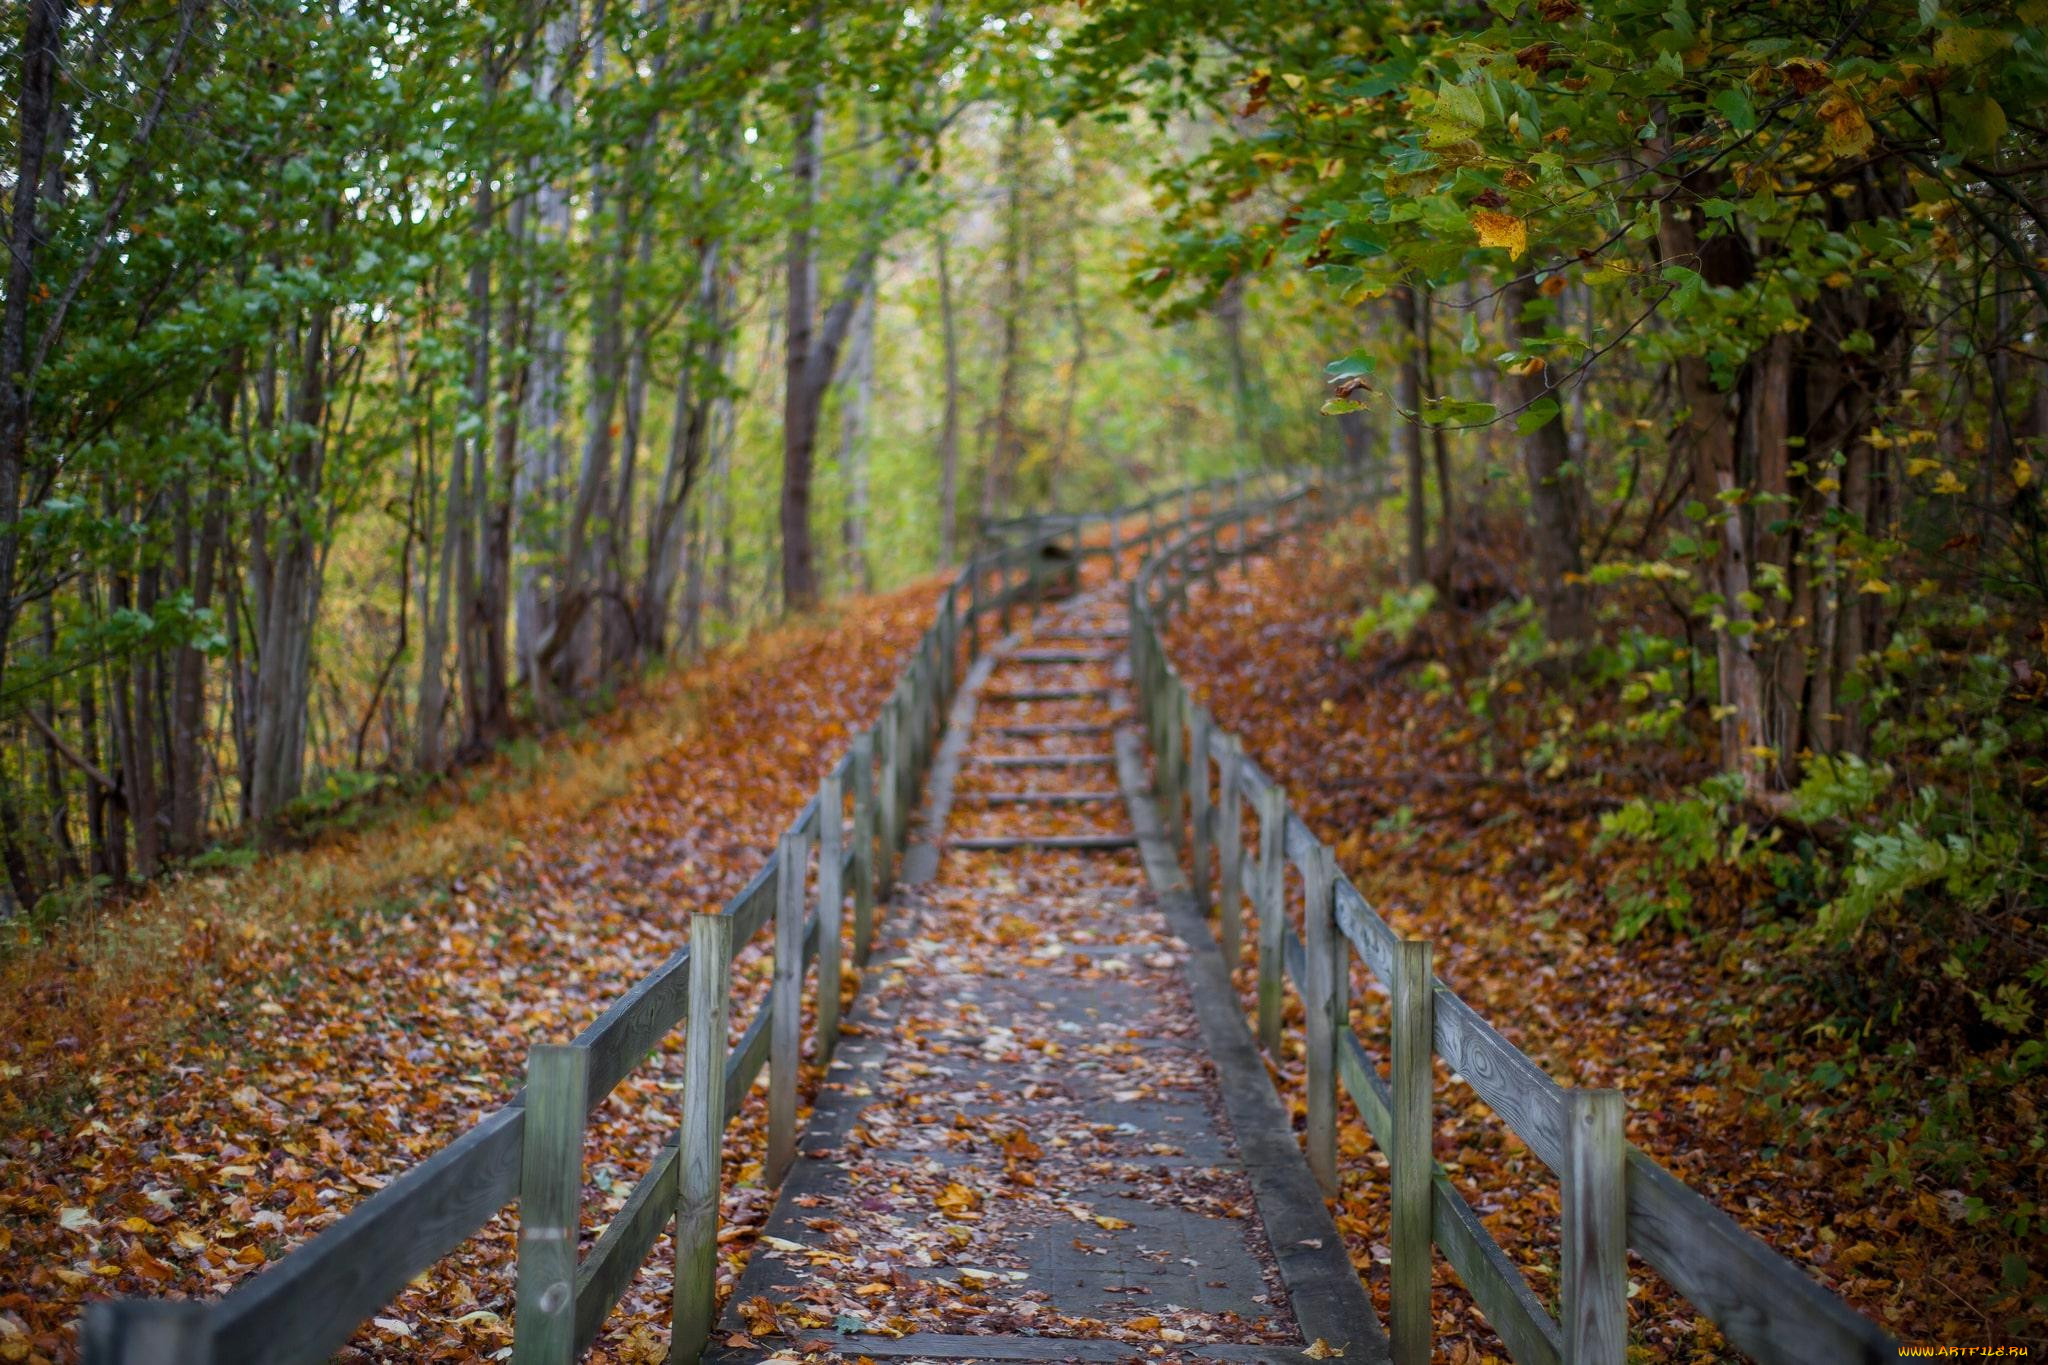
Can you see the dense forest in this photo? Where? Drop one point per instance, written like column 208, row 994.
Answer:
column 381, row 380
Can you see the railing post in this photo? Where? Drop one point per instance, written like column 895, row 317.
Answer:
column 1326, row 1006
column 862, row 764
column 973, row 609
column 831, row 898
column 1413, row 1156
column 1272, row 912
column 1198, row 802
column 1171, row 774
column 146, row 1332
column 1003, row 587
column 702, row 1139
column 1595, row 1254
column 888, row 787
column 786, row 1003
column 550, row 1203
column 1116, row 545
column 1230, row 850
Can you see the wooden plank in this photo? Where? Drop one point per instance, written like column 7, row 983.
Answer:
column 1172, row 764
column 1083, row 843
column 1198, row 803
column 1023, row 695
column 1327, row 1008
column 1230, row 852
column 1514, row 1087
column 1069, row 798
column 786, row 1004
column 701, row 1137
column 1766, row 1306
column 749, row 1056
column 1594, row 1259
column 961, row 1347
column 551, row 1203
column 1058, row 727
column 751, row 906
column 147, row 1332
column 307, row 1306
column 863, row 846
column 620, row 1038
column 1495, row 1284
column 1061, row 656
column 1044, row 760
column 1371, row 937
column 623, row 1247
column 891, row 792
column 831, row 900
column 1272, row 914
column 1412, row 1157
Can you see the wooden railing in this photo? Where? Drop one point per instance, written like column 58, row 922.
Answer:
column 306, row 1306
column 1614, row 1197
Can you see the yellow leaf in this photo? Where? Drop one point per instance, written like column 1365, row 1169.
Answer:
column 1948, row 484
column 1916, row 467
column 1848, row 132
column 2022, row 473
column 1144, row 1324
column 1109, row 1224
column 1323, row 1350
column 1501, row 230
column 1875, row 587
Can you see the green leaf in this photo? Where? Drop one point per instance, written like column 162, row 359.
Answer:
column 1351, row 366
column 1537, row 415
column 1337, row 407
column 1733, row 104
column 1973, row 124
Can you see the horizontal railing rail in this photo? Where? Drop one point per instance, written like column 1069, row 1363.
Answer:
column 307, row 1305
column 1615, row 1198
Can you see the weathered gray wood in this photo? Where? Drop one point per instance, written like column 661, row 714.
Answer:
column 702, row 1136
column 308, row 1305
column 550, row 1203
column 863, row 846
column 786, row 1004
column 1172, row 774
column 831, row 897
column 617, row 1257
column 637, row 1021
column 1199, row 727
column 1496, row 1285
column 748, row 1058
column 1062, row 656
column 1327, row 1008
column 751, row 906
column 1066, row 798
column 890, row 791
column 1411, row 1156
column 1044, row 760
column 147, row 1332
column 973, row 576
column 1765, row 1305
column 1022, row 695
column 1594, row 1259
column 1079, row 843
column 1513, row 1086
column 1076, row 727
column 1229, row 852
column 1272, row 913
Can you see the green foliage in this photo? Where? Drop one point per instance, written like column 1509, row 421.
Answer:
column 1399, row 613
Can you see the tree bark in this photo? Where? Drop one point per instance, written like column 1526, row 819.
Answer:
column 949, row 418
column 1408, row 401
column 1553, row 493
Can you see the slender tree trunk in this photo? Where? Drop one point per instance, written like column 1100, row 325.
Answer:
column 859, row 383
column 1553, row 496
column 949, row 418
column 799, row 403
column 1408, row 399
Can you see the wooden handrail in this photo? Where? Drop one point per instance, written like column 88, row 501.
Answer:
column 1615, row 1197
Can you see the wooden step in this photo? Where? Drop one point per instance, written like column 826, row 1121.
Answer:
column 1063, row 656
column 1029, row 694
column 1073, row 798
column 1080, row 634
column 1056, row 727
column 1073, row 842
column 1044, row 760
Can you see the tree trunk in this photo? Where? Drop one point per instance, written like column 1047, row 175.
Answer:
column 1553, row 494
column 1408, row 402
column 949, row 419
column 802, row 392
column 859, row 383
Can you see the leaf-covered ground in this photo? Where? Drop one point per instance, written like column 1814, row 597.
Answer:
column 1500, row 872
column 206, row 1079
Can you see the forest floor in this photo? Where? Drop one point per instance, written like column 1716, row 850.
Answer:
column 1711, row 1039
column 198, row 1081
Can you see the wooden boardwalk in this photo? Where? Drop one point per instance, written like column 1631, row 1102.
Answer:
column 1031, row 1145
